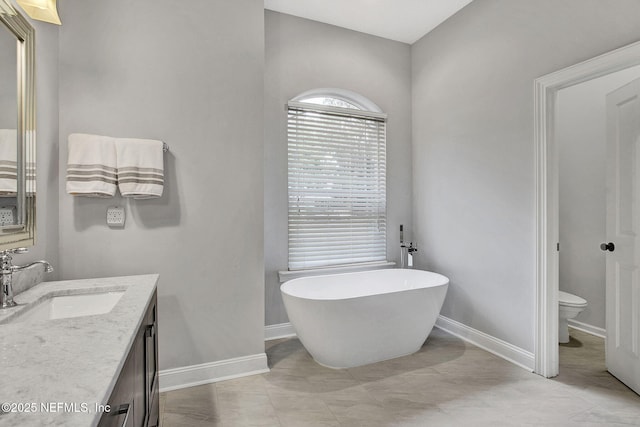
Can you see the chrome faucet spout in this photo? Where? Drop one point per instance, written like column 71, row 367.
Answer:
column 48, row 268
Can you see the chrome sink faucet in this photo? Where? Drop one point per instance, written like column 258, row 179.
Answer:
column 6, row 291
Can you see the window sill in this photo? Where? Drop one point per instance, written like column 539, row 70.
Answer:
column 285, row 275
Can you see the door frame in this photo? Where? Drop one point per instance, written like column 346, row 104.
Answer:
column 546, row 89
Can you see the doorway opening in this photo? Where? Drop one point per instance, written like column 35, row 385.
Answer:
column 548, row 193
column 581, row 134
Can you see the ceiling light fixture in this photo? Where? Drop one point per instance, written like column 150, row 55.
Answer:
column 41, row 10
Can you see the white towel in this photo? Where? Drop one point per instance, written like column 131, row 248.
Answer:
column 8, row 162
column 91, row 166
column 30, row 184
column 140, row 167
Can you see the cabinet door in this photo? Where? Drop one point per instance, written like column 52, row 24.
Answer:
column 151, row 368
column 139, row 391
column 134, row 401
column 121, row 400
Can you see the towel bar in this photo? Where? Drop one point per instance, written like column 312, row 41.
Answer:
column 165, row 147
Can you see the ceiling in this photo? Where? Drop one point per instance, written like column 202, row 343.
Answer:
column 401, row 20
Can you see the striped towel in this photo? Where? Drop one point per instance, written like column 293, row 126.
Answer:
column 91, row 166
column 8, row 162
column 30, row 181
column 140, row 167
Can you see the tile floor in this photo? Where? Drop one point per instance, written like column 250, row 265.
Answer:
column 447, row 383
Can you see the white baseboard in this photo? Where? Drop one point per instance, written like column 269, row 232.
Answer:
column 281, row 330
column 503, row 349
column 589, row 329
column 190, row 376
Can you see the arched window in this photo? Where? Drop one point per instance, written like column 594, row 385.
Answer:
column 336, row 179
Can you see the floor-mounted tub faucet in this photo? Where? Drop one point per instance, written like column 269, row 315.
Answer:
column 406, row 251
column 410, row 251
column 6, row 294
column 406, row 254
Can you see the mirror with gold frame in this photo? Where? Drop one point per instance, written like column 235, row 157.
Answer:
column 17, row 129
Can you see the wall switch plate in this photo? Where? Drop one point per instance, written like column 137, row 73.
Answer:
column 115, row 216
column 7, row 215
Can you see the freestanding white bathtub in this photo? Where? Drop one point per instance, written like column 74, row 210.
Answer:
column 352, row 319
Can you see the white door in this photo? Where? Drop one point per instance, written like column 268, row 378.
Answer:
column 623, row 234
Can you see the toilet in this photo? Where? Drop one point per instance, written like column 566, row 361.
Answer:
column 570, row 306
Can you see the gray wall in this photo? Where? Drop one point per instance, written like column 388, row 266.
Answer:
column 581, row 137
column 473, row 152
column 301, row 55
column 192, row 76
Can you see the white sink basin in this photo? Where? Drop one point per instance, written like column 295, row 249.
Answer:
column 66, row 306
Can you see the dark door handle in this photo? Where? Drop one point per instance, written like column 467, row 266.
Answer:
column 608, row 247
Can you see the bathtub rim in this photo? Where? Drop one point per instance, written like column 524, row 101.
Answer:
column 444, row 281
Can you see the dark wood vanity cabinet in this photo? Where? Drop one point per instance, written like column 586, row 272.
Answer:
column 134, row 401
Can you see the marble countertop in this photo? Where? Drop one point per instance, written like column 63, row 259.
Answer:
column 56, row 372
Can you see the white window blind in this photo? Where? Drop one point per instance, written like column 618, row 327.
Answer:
column 337, row 186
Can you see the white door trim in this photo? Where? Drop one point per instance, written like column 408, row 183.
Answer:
column 547, row 211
